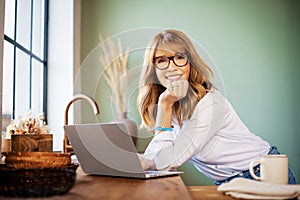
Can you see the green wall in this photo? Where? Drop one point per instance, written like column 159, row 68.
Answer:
column 252, row 45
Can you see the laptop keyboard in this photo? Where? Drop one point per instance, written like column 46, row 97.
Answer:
column 161, row 173
column 154, row 172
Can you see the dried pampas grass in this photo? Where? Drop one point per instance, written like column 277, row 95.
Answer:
column 114, row 59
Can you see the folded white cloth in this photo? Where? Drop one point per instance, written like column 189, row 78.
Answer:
column 251, row 189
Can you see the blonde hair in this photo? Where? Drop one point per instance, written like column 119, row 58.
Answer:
column 150, row 88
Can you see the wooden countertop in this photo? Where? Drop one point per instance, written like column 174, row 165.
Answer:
column 103, row 187
column 207, row 193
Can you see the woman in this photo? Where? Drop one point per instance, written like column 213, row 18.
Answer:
column 191, row 119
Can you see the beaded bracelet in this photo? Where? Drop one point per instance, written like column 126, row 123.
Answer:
column 162, row 129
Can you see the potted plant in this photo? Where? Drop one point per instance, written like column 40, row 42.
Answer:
column 29, row 133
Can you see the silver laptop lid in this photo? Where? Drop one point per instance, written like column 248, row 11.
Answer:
column 105, row 149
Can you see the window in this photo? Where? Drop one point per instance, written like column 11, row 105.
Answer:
column 24, row 58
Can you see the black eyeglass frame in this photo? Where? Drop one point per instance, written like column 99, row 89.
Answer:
column 172, row 58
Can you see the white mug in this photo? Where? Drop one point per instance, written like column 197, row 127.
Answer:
column 273, row 169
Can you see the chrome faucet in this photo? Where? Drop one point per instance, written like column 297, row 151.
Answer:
column 66, row 146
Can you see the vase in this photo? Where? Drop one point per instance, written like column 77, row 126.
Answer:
column 130, row 125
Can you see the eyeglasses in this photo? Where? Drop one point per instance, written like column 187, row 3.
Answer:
column 163, row 62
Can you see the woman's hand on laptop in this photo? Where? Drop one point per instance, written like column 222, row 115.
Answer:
column 146, row 163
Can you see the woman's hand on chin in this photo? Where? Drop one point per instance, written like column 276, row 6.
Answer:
column 175, row 91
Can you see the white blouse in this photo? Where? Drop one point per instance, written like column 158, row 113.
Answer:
column 215, row 140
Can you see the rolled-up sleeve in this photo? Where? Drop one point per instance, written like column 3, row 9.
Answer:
column 170, row 150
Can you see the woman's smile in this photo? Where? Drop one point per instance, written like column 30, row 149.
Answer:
column 173, row 77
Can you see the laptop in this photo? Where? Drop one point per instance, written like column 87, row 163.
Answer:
column 107, row 149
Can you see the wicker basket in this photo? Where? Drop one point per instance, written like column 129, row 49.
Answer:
column 36, row 159
column 36, row 182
